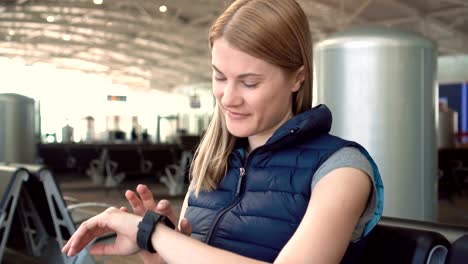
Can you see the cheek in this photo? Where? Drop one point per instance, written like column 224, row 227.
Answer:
column 217, row 90
column 273, row 104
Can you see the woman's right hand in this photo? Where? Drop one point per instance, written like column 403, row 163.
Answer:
column 144, row 202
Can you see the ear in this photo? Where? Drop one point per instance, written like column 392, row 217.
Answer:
column 298, row 78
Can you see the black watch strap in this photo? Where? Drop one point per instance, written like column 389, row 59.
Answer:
column 146, row 228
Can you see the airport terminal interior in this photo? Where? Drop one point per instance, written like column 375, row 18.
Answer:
column 98, row 96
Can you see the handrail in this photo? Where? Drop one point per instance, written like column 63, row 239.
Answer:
column 451, row 232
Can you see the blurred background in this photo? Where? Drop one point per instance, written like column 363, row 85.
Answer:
column 111, row 93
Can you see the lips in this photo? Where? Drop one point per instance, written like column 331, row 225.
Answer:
column 236, row 115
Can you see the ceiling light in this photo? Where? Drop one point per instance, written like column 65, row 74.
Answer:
column 50, row 19
column 66, row 37
column 11, row 32
column 163, row 8
column 97, row 2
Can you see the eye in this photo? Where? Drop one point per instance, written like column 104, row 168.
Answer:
column 249, row 84
column 219, row 78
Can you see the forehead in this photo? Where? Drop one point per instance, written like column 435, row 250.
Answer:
column 231, row 60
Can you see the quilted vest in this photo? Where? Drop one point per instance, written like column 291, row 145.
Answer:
column 262, row 199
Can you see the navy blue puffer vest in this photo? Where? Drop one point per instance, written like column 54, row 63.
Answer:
column 260, row 202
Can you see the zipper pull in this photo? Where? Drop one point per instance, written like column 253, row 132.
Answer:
column 241, row 176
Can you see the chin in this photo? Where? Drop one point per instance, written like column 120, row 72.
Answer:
column 239, row 132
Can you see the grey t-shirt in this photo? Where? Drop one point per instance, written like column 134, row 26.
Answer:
column 350, row 157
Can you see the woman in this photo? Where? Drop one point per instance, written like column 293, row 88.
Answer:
column 268, row 181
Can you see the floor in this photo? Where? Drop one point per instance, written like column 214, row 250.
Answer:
column 80, row 188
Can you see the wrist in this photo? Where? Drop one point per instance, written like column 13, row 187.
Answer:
column 146, row 228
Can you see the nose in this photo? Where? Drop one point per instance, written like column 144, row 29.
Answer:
column 231, row 96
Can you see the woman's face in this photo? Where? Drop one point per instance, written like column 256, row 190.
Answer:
column 254, row 95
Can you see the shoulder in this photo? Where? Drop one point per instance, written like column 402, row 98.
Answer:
column 345, row 157
column 357, row 158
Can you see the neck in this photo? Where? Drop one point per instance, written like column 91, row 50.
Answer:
column 260, row 139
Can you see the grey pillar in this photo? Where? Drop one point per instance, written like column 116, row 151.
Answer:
column 379, row 84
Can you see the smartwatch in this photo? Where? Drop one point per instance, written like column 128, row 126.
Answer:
column 146, row 228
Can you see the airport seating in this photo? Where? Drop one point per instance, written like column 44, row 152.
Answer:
column 11, row 181
column 396, row 240
column 160, row 156
column 189, row 142
column 57, row 157
column 175, row 174
column 83, row 155
column 102, row 171
column 394, row 244
column 115, row 163
column 458, row 252
column 127, row 160
column 460, row 174
column 41, row 223
column 109, row 164
column 453, row 167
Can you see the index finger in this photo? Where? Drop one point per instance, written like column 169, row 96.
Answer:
column 146, row 197
column 87, row 231
column 135, row 202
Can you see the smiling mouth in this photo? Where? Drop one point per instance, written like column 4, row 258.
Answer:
column 235, row 115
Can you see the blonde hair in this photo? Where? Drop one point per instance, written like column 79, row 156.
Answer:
column 276, row 31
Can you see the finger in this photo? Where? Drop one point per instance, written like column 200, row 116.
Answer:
column 73, row 244
column 165, row 208
column 66, row 247
column 82, row 236
column 185, row 227
column 146, row 197
column 87, row 232
column 124, row 209
column 135, row 202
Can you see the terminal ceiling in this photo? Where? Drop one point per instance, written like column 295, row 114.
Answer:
column 136, row 44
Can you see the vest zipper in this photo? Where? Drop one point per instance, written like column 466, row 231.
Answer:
column 209, row 236
column 239, row 183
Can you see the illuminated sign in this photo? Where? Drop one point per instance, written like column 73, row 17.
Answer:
column 117, row 98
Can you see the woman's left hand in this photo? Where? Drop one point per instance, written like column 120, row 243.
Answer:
column 145, row 201
column 111, row 220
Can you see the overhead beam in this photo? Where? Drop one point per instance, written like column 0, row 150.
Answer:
column 431, row 20
column 447, row 12
column 356, row 13
column 458, row 2
column 396, row 21
column 89, row 17
column 328, row 13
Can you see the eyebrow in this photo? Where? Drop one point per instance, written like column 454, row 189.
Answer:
column 240, row 76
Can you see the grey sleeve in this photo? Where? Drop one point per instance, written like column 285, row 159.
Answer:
column 350, row 157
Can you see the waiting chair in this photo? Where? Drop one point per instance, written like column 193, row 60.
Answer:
column 44, row 223
column 11, row 181
column 458, row 253
column 174, row 178
column 394, row 244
